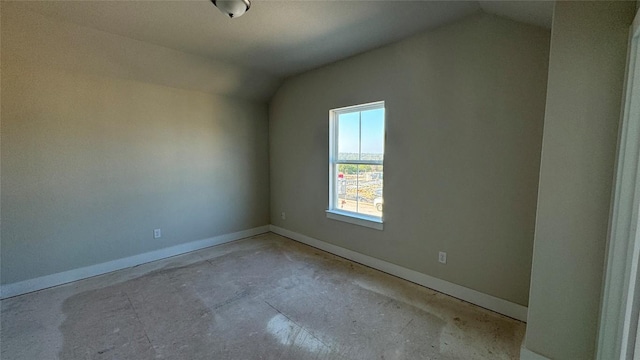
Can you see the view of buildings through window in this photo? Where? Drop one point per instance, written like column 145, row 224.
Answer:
column 358, row 158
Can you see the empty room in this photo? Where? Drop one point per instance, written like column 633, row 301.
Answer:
column 247, row 179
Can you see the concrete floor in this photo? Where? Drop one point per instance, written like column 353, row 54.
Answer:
column 266, row 297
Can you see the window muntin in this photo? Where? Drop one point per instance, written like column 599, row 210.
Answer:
column 356, row 161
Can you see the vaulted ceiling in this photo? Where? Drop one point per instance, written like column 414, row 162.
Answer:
column 281, row 38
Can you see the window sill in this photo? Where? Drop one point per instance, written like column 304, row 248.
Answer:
column 356, row 219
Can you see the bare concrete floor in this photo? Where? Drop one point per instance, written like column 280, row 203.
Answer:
column 266, row 297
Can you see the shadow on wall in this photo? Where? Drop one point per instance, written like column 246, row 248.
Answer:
column 314, row 49
column 33, row 40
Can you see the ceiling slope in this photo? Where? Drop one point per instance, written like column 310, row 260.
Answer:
column 276, row 39
column 280, row 37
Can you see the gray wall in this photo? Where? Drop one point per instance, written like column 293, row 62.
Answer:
column 92, row 163
column 39, row 41
column 586, row 72
column 465, row 107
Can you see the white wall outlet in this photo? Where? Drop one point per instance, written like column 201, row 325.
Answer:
column 157, row 233
column 442, row 257
column 283, row 216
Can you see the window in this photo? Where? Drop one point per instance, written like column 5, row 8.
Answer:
column 356, row 156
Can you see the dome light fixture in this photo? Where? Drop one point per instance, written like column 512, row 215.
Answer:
column 232, row 8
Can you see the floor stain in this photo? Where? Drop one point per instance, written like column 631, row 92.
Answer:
column 264, row 298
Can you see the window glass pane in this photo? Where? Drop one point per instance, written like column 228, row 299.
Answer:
column 359, row 140
column 349, row 136
column 346, row 187
column 372, row 135
column 359, row 189
column 369, row 183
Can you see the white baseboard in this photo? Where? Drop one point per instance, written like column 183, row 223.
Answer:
column 475, row 297
column 526, row 354
column 27, row 286
column 498, row 305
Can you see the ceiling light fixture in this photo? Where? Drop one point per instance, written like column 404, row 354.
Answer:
column 232, row 8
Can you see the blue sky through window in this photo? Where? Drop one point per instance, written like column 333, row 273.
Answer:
column 372, row 141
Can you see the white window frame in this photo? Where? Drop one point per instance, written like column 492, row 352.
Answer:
column 338, row 214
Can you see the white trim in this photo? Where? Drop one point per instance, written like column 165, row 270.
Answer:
column 363, row 107
column 526, row 354
column 619, row 305
column 356, row 219
column 333, row 155
column 360, row 162
column 43, row 282
column 498, row 305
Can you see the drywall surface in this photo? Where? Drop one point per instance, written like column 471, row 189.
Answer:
column 465, row 107
column 36, row 40
column 91, row 164
column 586, row 76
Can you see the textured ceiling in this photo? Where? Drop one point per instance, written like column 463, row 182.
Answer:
column 281, row 38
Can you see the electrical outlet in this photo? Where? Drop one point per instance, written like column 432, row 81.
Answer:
column 442, row 257
column 283, row 216
column 157, row 233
